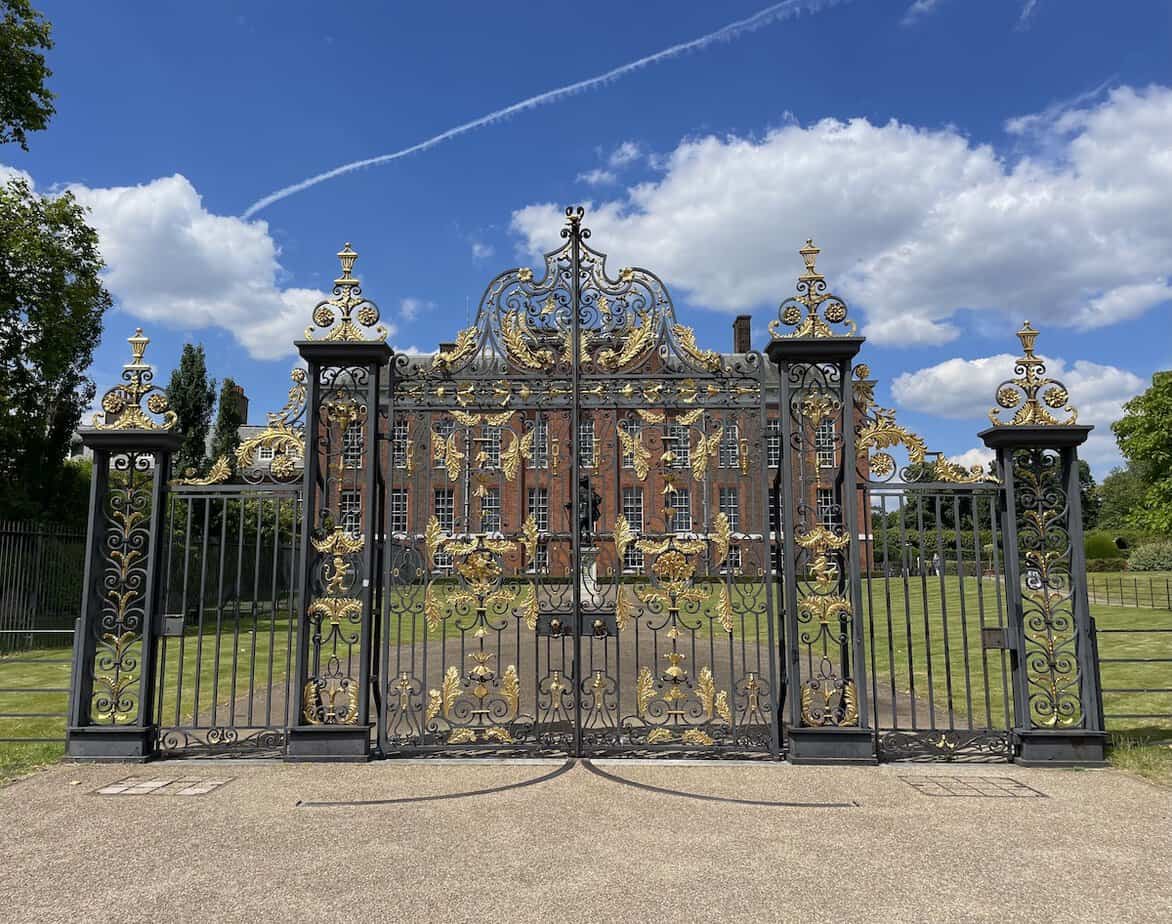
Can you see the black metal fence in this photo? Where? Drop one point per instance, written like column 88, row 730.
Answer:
column 936, row 622
column 1144, row 711
column 1130, row 590
column 41, row 572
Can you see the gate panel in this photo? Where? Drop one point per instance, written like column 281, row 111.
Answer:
column 576, row 553
column 936, row 623
column 230, row 611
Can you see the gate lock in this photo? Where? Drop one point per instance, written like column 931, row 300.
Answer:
column 591, row 624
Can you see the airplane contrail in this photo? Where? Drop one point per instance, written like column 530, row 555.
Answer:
column 775, row 13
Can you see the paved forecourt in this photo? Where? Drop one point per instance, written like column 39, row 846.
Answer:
column 243, row 841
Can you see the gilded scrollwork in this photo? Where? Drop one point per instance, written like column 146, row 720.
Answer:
column 122, row 405
column 346, row 316
column 813, row 311
column 283, row 435
column 1048, row 621
column 1032, row 396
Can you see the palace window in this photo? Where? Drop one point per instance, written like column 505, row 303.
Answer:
column 490, row 510
column 352, row 446
column 399, row 444
column 679, row 441
column 585, row 443
column 398, row 510
column 825, row 508
column 730, row 506
column 445, row 514
column 492, row 446
column 680, row 506
column 824, row 443
column 540, row 444
column 265, row 454
column 730, row 449
column 633, row 511
column 634, row 427
column 350, row 512
column 443, row 429
column 773, row 442
column 538, row 507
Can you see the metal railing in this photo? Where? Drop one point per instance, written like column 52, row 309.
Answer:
column 41, row 572
column 1129, row 590
column 1140, row 712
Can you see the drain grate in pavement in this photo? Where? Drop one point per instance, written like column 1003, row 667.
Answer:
column 989, row 787
column 161, row 786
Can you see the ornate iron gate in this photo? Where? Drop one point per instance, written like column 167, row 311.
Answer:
column 576, row 528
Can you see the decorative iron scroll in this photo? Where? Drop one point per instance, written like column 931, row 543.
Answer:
column 122, row 405
column 124, row 554
column 945, row 744
column 348, row 315
column 474, row 704
column 1031, row 396
column 876, row 431
column 523, row 324
column 335, row 622
column 813, row 310
column 1048, row 620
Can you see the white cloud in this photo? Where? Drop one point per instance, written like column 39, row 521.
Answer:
column 624, row 154
column 978, row 455
column 916, row 224
column 15, row 173
column 170, row 260
column 411, row 308
column 597, row 177
column 482, row 251
column 966, row 388
column 918, row 9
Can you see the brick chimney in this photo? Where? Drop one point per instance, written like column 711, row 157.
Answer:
column 447, row 347
column 742, row 336
column 241, row 401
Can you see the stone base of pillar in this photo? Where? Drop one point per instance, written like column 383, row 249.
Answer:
column 1061, row 748
column 337, row 743
column 132, row 743
column 831, row 746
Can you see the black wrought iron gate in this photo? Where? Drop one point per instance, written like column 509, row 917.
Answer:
column 576, row 530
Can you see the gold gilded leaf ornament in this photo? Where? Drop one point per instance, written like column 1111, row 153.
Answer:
column 633, row 446
column 721, row 535
column 623, row 536
column 706, row 447
column 520, row 448
column 644, row 689
column 464, row 347
column 724, row 609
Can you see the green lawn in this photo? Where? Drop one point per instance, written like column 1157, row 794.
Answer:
column 894, row 618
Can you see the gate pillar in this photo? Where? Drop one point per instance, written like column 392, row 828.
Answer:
column 341, row 523
column 817, row 489
column 111, row 708
column 1057, row 695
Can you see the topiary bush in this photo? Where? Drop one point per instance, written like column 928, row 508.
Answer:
column 1153, row 556
column 1106, row 564
column 1099, row 544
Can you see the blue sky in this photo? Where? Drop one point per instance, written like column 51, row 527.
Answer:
column 964, row 164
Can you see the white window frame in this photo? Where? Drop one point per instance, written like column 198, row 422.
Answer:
column 679, row 510
column 490, row 513
column 397, row 510
column 824, row 443
column 773, row 442
column 633, row 512
column 730, row 446
column 350, row 511
column 632, row 426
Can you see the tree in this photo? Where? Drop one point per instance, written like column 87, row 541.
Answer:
column 25, row 103
column 192, row 395
column 226, row 436
column 51, row 306
column 1120, row 493
column 1092, row 501
column 1144, row 434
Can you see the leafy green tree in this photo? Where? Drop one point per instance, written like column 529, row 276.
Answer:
column 1120, row 493
column 1144, row 435
column 25, row 103
column 1092, row 501
column 51, row 306
column 226, row 436
column 192, row 395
